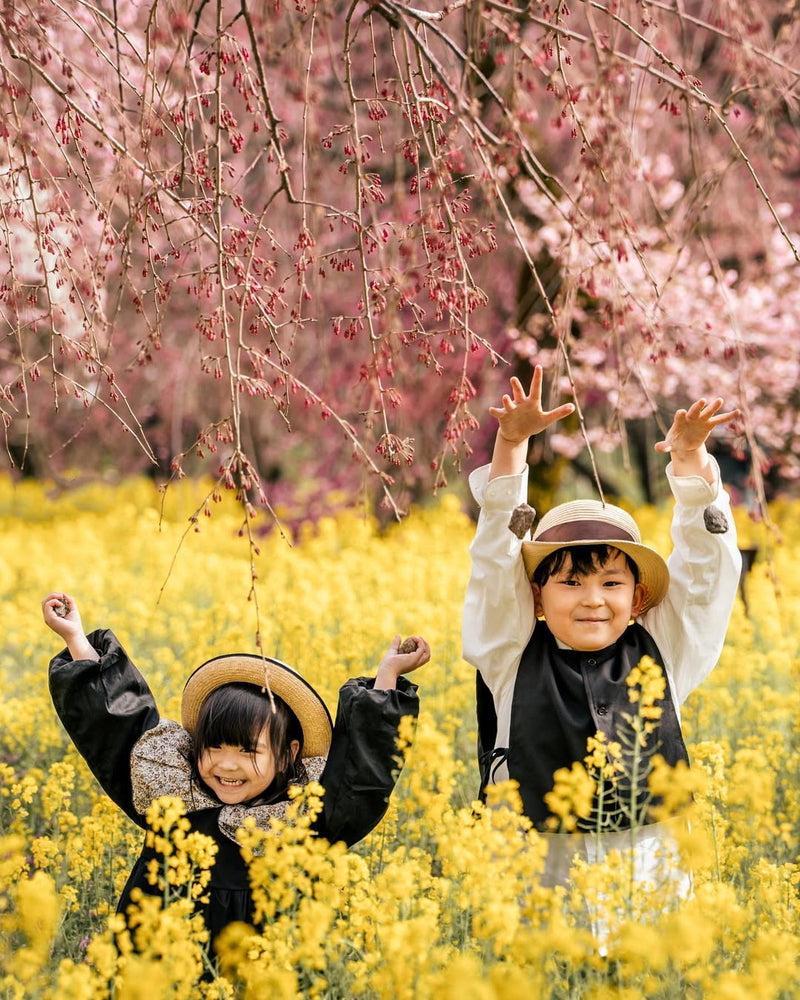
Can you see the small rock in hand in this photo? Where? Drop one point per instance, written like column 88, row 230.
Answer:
column 408, row 646
column 522, row 518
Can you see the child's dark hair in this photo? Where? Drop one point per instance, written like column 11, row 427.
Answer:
column 236, row 714
column 584, row 559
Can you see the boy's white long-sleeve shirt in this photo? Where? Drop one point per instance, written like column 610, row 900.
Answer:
column 688, row 626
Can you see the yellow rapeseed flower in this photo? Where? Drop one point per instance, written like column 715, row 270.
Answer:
column 445, row 897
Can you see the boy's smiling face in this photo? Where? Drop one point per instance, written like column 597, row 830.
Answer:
column 592, row 610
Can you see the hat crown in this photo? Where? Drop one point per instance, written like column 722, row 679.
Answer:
column 587, row 519
column 263, row 672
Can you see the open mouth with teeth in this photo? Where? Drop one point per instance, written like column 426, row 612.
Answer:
column 230, row 782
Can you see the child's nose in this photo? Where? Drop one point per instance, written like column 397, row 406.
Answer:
column 227, row 760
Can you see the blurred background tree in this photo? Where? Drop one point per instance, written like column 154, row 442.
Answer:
column 303, row 246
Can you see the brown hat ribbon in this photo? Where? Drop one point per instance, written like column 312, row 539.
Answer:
column 572, row 531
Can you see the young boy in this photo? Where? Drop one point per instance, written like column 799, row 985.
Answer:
column 555, row 625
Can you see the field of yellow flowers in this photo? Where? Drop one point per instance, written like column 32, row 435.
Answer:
column 443, row 899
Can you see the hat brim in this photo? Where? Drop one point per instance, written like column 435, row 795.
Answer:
column 283, row 681
column 653, row 571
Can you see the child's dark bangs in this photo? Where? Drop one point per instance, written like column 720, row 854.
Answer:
column 234, row 714
column 581, row 560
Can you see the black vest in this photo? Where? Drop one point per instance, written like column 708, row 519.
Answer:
column 561, row 698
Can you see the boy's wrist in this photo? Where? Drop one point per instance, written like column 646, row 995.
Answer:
column 513, row 441
column 689, row 452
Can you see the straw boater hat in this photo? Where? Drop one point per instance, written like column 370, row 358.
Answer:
column 283, row 681
column 590, row 522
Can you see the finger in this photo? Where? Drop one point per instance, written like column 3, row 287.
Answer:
column 517, row 392
column 500, row 411
column 693, row 412
column 421, row 647
column 704, row 410
column 535, row 389
column 723, row 418
column 509, row 402
column 506, row 404
column 709, row 409
column 423, row 651
column 560, row 412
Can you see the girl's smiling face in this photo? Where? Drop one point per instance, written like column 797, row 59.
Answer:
column 237, row 774
column 590, row 610
column 244, row 742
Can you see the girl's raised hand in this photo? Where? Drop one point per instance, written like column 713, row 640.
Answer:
column 396, row 661
column 60, row 612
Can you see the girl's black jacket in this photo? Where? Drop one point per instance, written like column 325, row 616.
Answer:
column 106, row 705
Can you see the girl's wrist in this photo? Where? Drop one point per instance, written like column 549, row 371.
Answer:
column 81, row 649
column 385, row 679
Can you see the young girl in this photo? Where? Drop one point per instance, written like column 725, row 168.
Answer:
column 237, row 751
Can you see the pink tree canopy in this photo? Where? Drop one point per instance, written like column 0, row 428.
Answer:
column 304, row 246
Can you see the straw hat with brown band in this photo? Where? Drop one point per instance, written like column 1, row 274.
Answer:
column 269, row 675
column 591, row 522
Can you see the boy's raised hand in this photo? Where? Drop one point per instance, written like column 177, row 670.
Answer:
column 521, row 414
column 685, row 440
column 690, row 428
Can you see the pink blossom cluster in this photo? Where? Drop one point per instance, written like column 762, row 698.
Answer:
column 303, row 246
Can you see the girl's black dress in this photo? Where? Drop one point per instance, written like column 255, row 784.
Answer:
column 106, row 705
